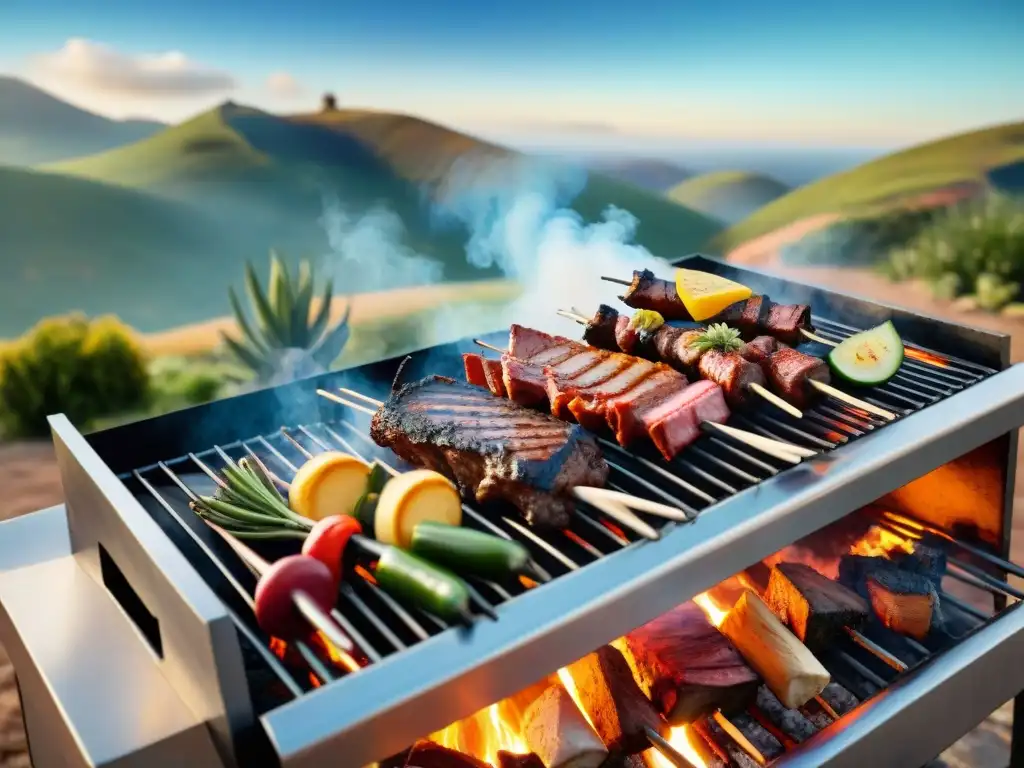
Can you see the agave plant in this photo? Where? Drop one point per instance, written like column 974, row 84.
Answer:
column 284, row 335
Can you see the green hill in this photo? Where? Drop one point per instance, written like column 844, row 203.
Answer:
column 957, row 160
column 651, row 174
column 273, row 172
column 36, row 127
column 200, row 198
column 70, row 244
column 728, row 196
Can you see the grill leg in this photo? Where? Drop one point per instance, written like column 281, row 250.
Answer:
column 1017, row 733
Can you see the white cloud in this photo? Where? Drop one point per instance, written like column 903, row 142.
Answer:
column 284, row 85
column 100, row 68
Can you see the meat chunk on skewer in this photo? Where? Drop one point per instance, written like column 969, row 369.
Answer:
column 633, row 397
column 732, row 373
column 753, row 316
column 492, row 448
column 618, row 709
column 789, row 372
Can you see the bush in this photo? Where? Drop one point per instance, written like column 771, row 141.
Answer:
column 976, row 247
column 179, row 381
column 85, row 370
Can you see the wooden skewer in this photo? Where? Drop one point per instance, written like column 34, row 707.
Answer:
column 736, row 735
column 643, row 505
column 815, row 337
column 775, row 400
column 759, row 390
column 754, row 441
column 615, row 280
column 615, row 507
column 776, row 448
column 856, row 402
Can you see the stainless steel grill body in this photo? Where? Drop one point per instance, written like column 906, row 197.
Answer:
column 125, row 505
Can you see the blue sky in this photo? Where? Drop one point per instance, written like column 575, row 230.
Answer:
column 871, row 73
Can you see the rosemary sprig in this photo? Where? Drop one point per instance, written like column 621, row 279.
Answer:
column 249, row 505
column 718, row 336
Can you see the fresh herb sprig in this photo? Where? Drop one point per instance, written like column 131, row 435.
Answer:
column 718, row 336
column 250, row 506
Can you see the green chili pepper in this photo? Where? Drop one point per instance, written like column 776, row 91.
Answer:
column 467, row 551
column 417, row 582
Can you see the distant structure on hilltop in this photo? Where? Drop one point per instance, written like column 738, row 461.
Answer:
column 328, row 103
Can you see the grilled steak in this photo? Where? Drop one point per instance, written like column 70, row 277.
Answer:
column 492, row 448
column 789, row 372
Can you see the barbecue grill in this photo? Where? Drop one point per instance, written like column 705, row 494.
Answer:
column 130, row 626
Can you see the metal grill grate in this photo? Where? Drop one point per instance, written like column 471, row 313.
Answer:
column 707, row 472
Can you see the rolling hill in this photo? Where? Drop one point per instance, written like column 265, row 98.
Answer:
column 729, row 196
column 352, row 189
column 650, row 174
column 36, row 127
column 951, row 163
column 69, row 243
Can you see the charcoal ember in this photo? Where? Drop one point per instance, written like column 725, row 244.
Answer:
column 926, row 560
column 727, row 749
column 791, row 722
column 427, row 754
column 617, row 708
column 841, row 700
column 819, row 720
column 905, row 601
column 762, row 739
column 511, row 760
column 815, row 607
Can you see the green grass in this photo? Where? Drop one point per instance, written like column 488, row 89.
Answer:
column 728, row 196
column 960, row 159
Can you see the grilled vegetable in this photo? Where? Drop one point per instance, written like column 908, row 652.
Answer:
column 417, row 582
column 718, row 336
column 328, row 539
column 275, row 609
column 328, row 484
column 869, row 357
column 705, row 295
column 412, row 498
column 365, row 510
column 468, row 551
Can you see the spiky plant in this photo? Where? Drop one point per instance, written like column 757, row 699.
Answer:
column 718, row 336
column 282, row 320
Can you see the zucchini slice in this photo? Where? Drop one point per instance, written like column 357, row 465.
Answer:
column 870, row 357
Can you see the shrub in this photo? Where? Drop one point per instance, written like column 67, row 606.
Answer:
column 85, row 370
column 980, row 243
column 284, row 321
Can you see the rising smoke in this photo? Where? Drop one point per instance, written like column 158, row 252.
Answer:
column 517, row 217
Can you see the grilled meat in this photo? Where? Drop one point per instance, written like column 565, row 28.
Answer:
column 790, row 370
column 492, row 448
column 732, row 371
column 753, row 316
column 633, row 397
column 759, row 349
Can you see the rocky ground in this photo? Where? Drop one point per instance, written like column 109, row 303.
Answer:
column 28, row 477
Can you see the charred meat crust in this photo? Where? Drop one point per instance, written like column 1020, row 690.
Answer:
column 491, row 448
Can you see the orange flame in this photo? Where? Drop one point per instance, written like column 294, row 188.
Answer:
column 878, row 542
column 686, row 742
column 926, row 357
column 482, row 735
column 715, row 613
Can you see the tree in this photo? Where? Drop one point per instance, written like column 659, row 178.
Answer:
column 328, row 103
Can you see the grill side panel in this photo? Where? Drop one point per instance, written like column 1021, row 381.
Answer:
column 200, row 651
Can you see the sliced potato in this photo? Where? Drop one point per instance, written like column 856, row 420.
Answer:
column 328, row 484
column 415, row 497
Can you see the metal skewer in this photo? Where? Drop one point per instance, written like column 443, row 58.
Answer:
column 611, row 506
column 616, row 280
column 780, row 450
column 759, row 390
